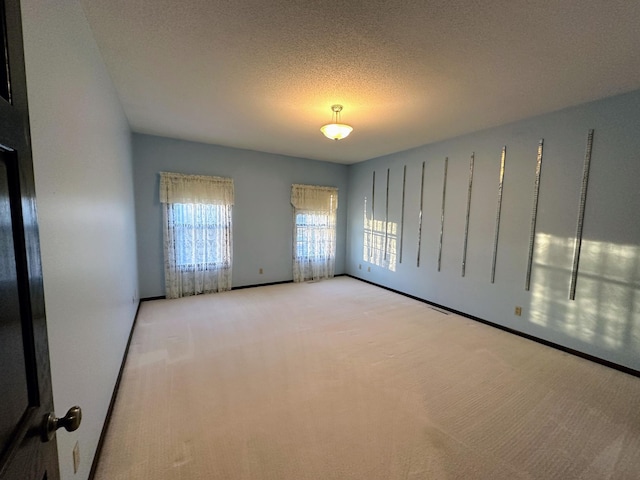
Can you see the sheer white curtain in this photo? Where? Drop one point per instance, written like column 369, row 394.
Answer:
column 314, row 235
column 197, row 233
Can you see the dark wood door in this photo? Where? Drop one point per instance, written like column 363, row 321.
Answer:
column 25, row 382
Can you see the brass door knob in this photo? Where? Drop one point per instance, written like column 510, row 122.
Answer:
column 70, row 422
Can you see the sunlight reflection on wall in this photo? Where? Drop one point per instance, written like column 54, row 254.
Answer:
column 380, row 242
column 606, row 311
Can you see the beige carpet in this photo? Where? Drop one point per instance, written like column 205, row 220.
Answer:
column 343, row 380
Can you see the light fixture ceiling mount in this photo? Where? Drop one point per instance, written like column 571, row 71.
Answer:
column 336, row 130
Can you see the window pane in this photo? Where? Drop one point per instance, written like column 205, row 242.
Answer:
column 200, row 234
column 315, row 235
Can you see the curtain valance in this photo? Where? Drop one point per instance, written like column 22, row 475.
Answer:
column 180, row 188
column 313, row 197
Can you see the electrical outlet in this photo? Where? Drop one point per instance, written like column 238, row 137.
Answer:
column 76, row 457
column 518, row 311
column 261, row 271
column 360, row 266
column 368, row 269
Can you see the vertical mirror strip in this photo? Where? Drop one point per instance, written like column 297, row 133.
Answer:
column 372, row 225
column 444, row 192
column 498, row 210
column 534, row 214
column 466, row 225
column 420, row 215
column 404, row 184
column 386, row 219
column 583, row 200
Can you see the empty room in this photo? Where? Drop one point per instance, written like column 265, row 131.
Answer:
column 319, row 240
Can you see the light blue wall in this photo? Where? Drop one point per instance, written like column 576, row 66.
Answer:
column 604, row 319
column 84, row 184
column 262, row 214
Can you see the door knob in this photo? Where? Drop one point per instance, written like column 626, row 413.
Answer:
column 70, row 422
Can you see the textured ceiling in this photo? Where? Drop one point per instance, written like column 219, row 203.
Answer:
column 262, row 74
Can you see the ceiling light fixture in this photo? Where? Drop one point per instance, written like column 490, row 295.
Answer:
column 336, row 130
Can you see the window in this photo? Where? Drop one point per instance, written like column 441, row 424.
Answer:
column 315, row 236
column 201, row 224
column 197, row 233
column 314, row 231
